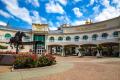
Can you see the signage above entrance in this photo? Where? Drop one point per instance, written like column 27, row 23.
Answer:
column 40, row 27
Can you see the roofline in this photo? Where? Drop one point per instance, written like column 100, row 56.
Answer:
column 38, row 24
column 94, row 23
column 12, row 30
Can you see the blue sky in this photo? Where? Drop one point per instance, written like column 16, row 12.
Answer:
column 22, row 13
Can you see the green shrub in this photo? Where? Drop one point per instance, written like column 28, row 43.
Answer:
column 3, row 47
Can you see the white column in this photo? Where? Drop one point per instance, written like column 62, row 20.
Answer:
column 119, row 42
column 46, row 47
column 63, row 52
column 32, row 40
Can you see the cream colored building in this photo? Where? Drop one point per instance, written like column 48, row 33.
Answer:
column 67, row 39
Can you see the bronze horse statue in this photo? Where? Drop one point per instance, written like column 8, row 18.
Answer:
column 16, row 41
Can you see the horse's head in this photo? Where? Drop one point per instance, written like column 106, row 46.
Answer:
column 17, row 33
column 23, row 34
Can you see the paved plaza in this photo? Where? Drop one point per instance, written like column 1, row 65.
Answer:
column 69, row 68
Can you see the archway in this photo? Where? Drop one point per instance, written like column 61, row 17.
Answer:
column 110, row 49
column 55, row 49
column 90, row 49
column 70, row 49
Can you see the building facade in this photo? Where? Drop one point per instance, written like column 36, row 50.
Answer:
column 67, row 39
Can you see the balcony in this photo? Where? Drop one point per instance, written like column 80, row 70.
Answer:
column 80, row 41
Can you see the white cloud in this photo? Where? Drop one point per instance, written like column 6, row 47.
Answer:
column 96, row 9
column 36, row 18
column 77, row 12
column 34, row 2
column 44, row 20
column 108, row 13
column 5, row 14
column 78, row 22
column 53, row 7
column 117, row 2
column 14, row 9
column 92, row 2
column 52, row 26
column 106, row 3
column 63, row 2
column 77, row 0
column 64, row 19
column 58, row 24
column 3, row 23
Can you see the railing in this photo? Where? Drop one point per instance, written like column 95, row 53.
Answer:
column 80, row 40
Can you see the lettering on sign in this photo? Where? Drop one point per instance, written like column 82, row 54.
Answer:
column 38, row 27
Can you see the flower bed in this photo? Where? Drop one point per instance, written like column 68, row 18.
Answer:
column 32, row 61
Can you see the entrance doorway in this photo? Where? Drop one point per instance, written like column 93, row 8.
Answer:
column 39, row 47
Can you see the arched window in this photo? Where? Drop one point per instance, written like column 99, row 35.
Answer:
column 7, row 36
column 115, row 34
column 60, row 38
column 68, row 38
column 51, row 39
column 94, row 36
column 104, row 35
column 85, row 37
column 76, row 38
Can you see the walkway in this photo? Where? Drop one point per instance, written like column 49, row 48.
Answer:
column 71, row 68
column 36, row 72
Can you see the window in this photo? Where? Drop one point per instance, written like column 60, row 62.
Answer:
column 68, row 38
column 85, row 37
column 7, row 36
column 104, row 35
column 76, row 38
column 60, row 38
column 51, row 39
column 115, row 34
column 94, row 36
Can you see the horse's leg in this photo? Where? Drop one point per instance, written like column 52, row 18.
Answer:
column 17, row 50
column 11, row 45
